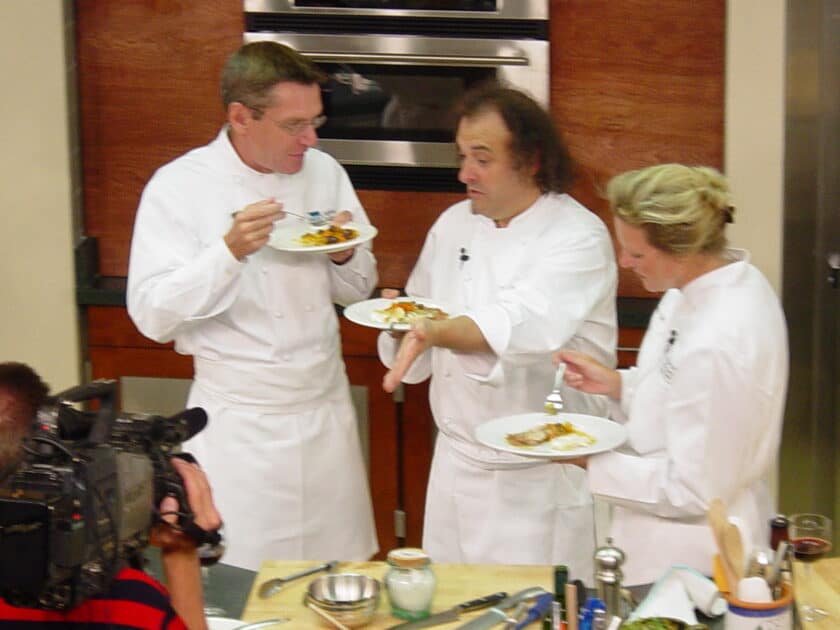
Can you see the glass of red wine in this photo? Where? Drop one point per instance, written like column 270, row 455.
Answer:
column 810, row 535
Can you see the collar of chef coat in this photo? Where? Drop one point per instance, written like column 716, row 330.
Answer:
column 231, row 165
column 722, row 276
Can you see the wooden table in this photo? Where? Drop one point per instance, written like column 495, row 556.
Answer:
column 819, row 587
column 455, row 583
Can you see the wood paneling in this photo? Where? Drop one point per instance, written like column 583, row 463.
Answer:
column 149, row 88
column 635, row 83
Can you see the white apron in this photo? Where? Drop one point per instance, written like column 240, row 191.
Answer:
column 291, row 482
column 281, row 448
column 546, row 281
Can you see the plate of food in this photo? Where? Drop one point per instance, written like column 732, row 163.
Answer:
column 302, row 237
column 395, row 314
column 559, row 436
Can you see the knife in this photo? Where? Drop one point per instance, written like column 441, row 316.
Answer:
column 453, row 613
column 497, row 613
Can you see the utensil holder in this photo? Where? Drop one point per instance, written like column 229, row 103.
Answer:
column 775, row 615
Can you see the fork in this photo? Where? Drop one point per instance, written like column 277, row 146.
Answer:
column 314, row 218
column 554, row 401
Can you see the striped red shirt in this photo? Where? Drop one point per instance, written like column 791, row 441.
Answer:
column 135, row 601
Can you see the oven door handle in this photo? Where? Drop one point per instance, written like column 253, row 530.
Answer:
column 427, row 60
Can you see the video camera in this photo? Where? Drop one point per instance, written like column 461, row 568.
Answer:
column 81, row 503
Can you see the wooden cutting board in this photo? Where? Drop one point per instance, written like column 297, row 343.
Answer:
column 455, row 583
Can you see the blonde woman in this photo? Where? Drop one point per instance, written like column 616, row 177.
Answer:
column 703, row 407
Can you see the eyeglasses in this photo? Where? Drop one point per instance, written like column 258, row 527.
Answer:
column 297, row 127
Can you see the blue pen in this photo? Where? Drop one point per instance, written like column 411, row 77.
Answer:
column 537, row 611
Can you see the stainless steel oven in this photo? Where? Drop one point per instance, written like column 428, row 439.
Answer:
column 398, row 68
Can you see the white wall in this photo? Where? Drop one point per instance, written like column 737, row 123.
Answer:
column 38, row 320
column 754, row 128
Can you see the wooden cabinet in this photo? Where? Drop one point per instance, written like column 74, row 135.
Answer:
column 633, row 83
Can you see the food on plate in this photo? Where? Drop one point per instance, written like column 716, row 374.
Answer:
column 406, row 311
column 328, row 236
column 561, row 436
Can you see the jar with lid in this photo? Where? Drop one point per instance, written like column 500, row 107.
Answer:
column 410, row 583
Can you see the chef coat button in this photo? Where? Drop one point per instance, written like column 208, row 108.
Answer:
column 308, row 308
column 287, row 357
column 278, row 315
column 264, row 270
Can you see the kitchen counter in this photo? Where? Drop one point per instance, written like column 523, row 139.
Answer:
column 819, row 587
column 455, row 583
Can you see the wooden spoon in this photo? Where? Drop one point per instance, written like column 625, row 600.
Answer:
column 733, row 547
column 719, row 523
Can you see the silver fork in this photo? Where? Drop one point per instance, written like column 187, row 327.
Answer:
column 554, row 401
column 314, row 218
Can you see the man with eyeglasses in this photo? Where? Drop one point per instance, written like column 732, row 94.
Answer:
column 282, row 450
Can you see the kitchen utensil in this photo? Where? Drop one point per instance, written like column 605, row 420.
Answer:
column 314, row 218
column 323, row 613
column 718, row 521
column 774, row 575
column 261, row 624
column 272, row 586
column 537, row 611
column 554, row 401
column 215, row 622
column 497, row 614
column 571, row 606
column 351, row 598
column 760, row 563
column 733, row 546
column 453, row 613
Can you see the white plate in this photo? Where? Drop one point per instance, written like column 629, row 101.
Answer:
column 285, row 237
column 608, row 434
column 364, row 313
column 224, row 623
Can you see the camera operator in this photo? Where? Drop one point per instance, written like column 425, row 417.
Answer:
column 134, row 600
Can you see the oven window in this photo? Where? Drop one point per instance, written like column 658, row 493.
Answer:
column 381, row 102
column 417, row 5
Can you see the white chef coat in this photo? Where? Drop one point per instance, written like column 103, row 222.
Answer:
column 704, row 410
column 546, row 281
column 280, row 449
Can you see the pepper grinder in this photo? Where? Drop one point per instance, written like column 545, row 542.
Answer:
column 608, row 561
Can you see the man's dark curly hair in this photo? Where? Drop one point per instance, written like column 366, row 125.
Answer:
column 534, row 134
column 22, row 392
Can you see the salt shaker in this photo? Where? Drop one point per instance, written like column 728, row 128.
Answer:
column 608, row 561
column 410, row 583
